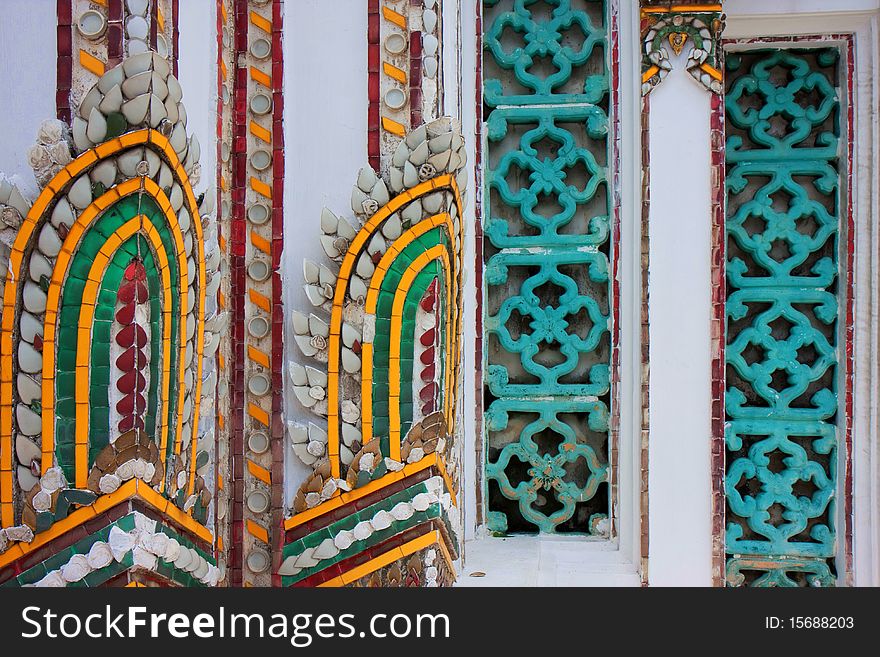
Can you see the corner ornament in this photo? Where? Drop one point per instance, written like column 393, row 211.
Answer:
column 676, row 26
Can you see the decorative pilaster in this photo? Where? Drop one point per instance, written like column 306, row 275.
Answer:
column 685, row 149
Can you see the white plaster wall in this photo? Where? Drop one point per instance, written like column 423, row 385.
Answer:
column 197, row 73
column 325, row 143
column 27, row 80
column 679, row 315
column 460, row 100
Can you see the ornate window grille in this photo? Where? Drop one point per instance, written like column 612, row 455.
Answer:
column 548, row 247
column 786, row 296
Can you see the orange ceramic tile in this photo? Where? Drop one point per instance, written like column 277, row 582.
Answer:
column 91, row 63
column 393, row 127
column 394, row 72
column 259, row 357
column 261, row 243
column 258, row 414
column 260, row 132
column 261, row 188
column 260, row 472
column 259, row 300
column 394, row 17
column 257, row 531
column 263, row 23
column 261, row 78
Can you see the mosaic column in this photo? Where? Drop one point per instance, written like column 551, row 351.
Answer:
column 256, row 242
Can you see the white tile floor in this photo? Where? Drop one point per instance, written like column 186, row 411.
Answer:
column 527, row 561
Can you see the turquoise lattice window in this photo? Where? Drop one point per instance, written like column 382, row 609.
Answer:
column 783, row 316
column 547, row 310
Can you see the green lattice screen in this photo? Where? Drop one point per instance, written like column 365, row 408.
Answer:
column 547, row 299
column 784, row 191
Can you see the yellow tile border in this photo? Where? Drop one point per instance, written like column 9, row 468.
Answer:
column 394, row 250
column 431, row 460
column 445, row 181
column 131, row 489
column 438, row 252
column 409, row 548
column 650, row 73
column 77, row 232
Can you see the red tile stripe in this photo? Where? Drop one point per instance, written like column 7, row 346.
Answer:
column 238, row 275
column 175, row 34
column 277, row 427
column 373, row 58
column 114, row 33
column 64, row 65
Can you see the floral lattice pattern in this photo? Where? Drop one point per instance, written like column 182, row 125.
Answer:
column 548, row 311
column 544, row 50
column 782, row 317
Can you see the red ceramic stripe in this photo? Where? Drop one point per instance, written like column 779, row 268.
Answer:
column 154, row 23
column 850, row 304
column 238, row 243
column 373, row 57
column 64, row 64
column 415, row 79
column 277, row 421
column 175, row 34
column 114, row 33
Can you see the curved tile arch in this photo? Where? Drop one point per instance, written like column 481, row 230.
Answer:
column 138, row 225
column 62, row 183
column 358, row 245
column 436, row 253
column 77, row 233
column 390, row 257
column 366, row 341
